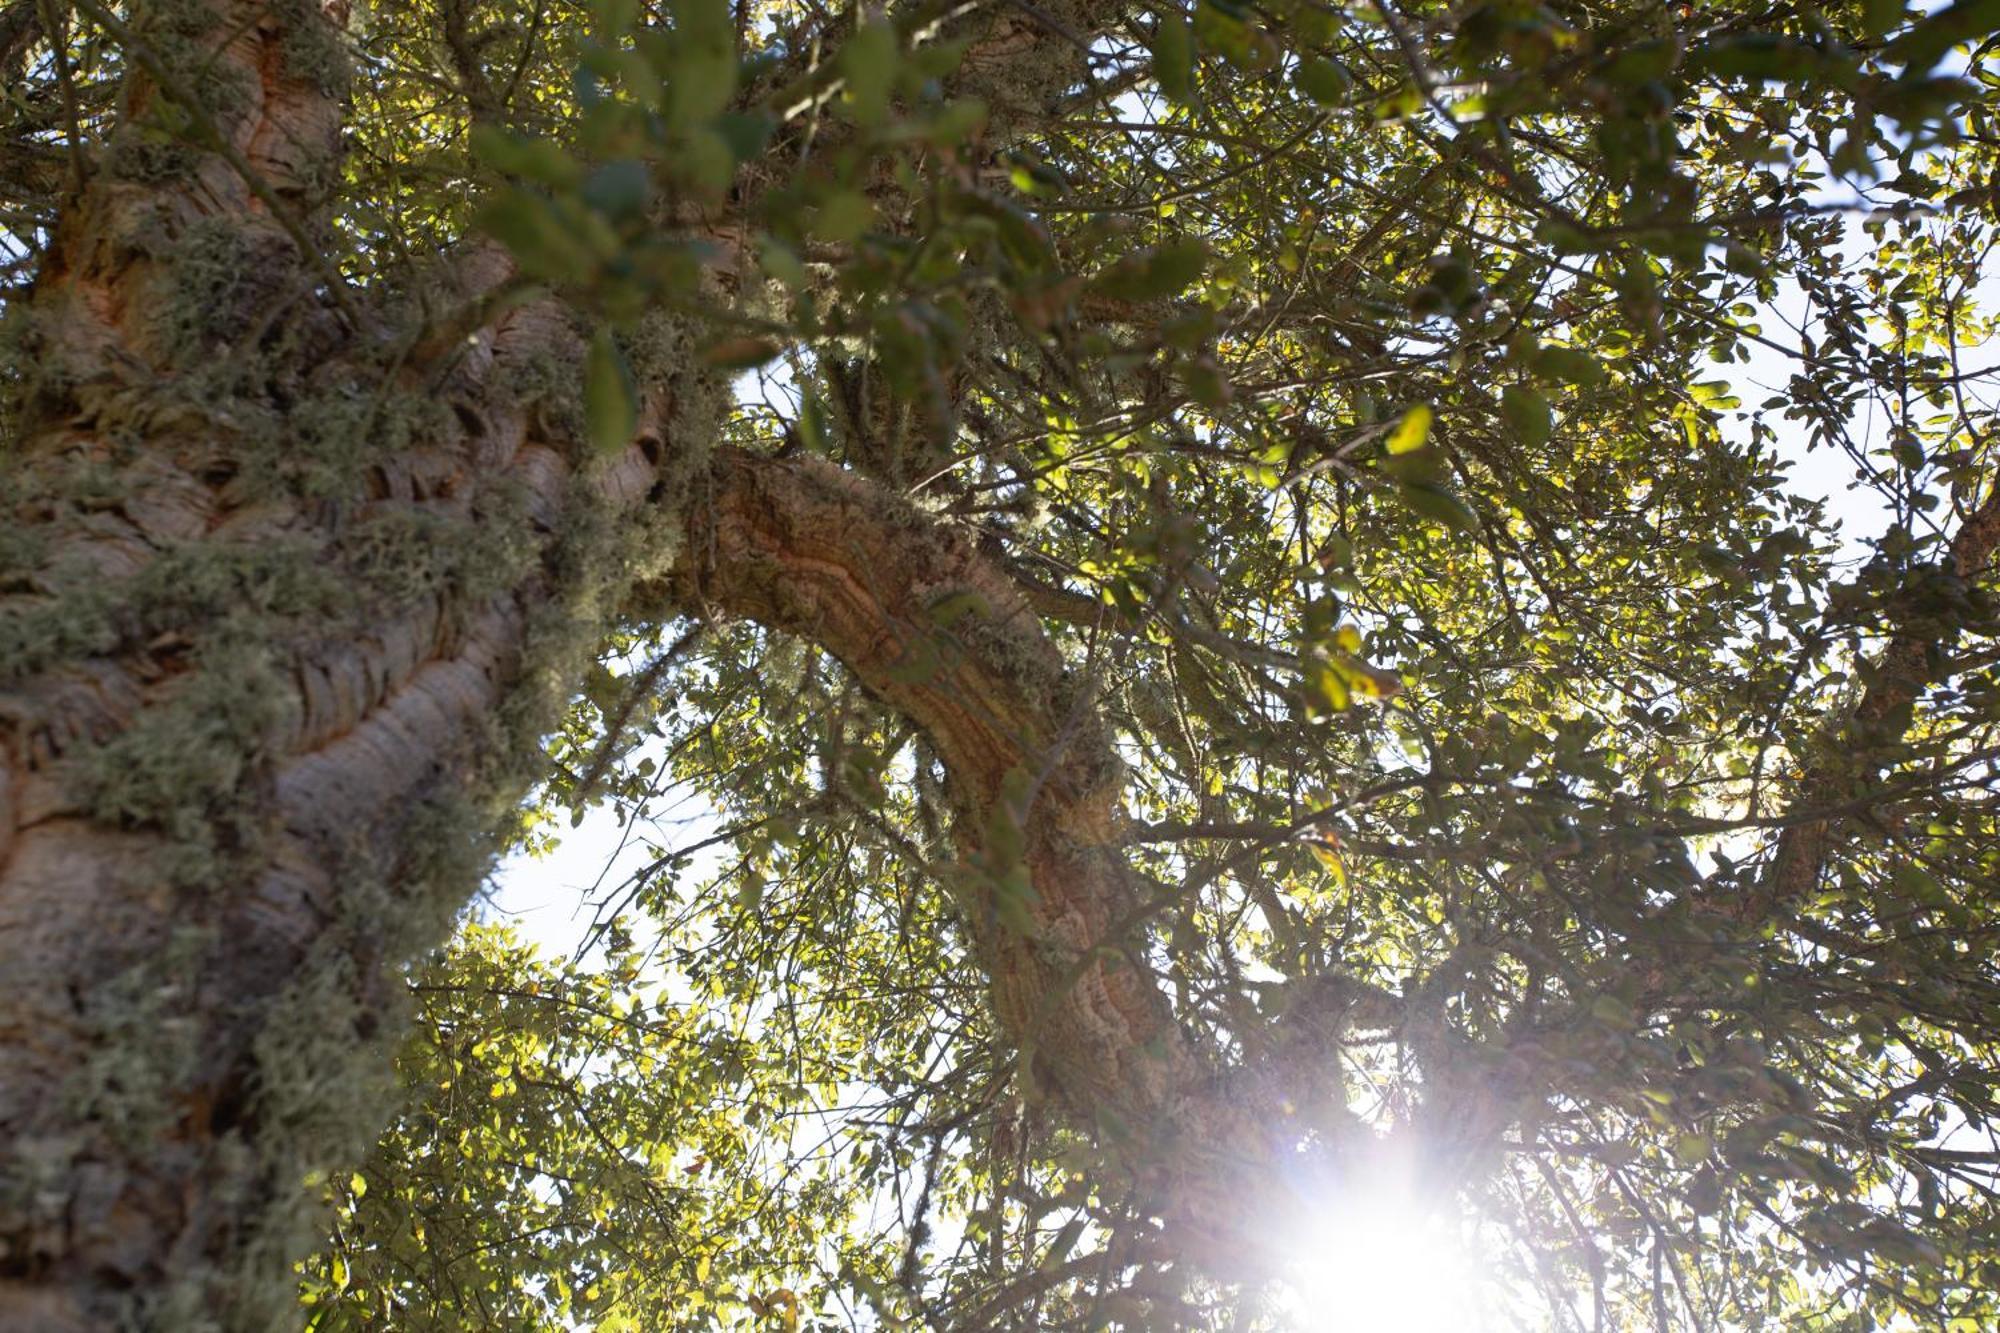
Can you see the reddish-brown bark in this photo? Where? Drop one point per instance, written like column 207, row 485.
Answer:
column 1858, row 745
column 937, row 633
column 346, row 756
column 1846, row 759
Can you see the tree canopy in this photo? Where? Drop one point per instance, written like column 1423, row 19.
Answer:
column 1247, row 592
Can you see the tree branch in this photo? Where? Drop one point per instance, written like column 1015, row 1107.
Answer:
column 940, row 633
column 1854, row 747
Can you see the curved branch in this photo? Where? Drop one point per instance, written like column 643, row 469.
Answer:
column 940, row 633
column 942, row 636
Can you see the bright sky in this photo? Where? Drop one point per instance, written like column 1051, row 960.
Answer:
column 551, row 899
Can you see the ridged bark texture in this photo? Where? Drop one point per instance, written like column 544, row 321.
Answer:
column 283, row 613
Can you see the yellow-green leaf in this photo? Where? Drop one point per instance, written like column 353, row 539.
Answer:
column 1527, row 414
column 1173, row 57
column 1411, row 432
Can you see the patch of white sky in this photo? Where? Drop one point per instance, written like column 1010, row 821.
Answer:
column 558, row 898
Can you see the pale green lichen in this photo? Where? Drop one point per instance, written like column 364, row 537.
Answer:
column 215, row 280
column 148, row 156
column 193, row 764
column 312, row 48
column 182, row 764
column 188, row 587
column 148, row 1044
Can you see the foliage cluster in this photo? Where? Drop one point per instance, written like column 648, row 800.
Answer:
column 1373, row 401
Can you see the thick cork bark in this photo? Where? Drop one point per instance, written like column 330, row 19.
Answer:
column 338, row 744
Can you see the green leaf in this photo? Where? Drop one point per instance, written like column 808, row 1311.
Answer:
column 1022, row 236
column 1436, row 502
column 1221, row 28
column 746, row 132
column 1324, row 81
column 1527, row 414
column 1567, row 365
column 1173, row 57
column 619, row 190
column 1564, row 238
column 1648, row 62
column 1879, row 16
column 1006, row 840
column 614, row 17
column 843, row 217
column 812, row 423
column 935, row 59
column 1933, row 36
column 1154, row 274
column 624, row 69
column 782, row 263
column 708, row 25
column 1613, row 1011
column 540, row 241
column 706, row 161
column 948, row 609
column 1206, row 383
column 698, row 62
column 1014, row 897
column 531, row 159
column 869, row 63
column 919, row 663
column 956, row 123
column 1771, row 58
column 1065, row 1241
column 1326, row 692
column 610, row 401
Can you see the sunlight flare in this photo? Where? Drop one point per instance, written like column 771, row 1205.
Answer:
column 1378, row 1258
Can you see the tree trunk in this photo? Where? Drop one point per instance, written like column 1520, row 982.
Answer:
column 285, row 605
